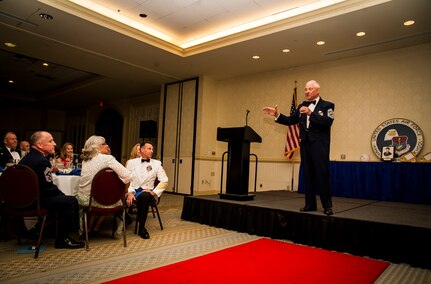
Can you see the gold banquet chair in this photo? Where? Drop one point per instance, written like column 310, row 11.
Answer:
column 107, row 189
column 19, row 191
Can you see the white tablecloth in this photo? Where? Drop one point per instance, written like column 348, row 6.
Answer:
column 68, row 184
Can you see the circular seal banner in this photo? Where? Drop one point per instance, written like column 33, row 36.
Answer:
column 404, row 135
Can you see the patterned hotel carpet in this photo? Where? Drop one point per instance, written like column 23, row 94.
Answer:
column 107, row 259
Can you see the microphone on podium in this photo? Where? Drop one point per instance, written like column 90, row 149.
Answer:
column 246, row 117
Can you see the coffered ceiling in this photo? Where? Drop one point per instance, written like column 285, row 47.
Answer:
column 135, row 46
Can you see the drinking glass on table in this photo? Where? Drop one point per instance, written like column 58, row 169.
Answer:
column 59, row 166
column 70, row 166
column 54, row 168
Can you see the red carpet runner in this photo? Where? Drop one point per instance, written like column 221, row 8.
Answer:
column 266, row 261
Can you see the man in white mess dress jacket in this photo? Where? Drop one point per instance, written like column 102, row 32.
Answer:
column 145, row 172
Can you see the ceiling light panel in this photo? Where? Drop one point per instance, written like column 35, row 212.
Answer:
column 121, row 6
column 188, row 23
column 195, row 20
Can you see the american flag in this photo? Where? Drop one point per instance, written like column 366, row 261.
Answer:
column 292, row 137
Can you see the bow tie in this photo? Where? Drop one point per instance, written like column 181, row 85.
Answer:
column 14, row 150
column 145, row 160
column 309, row 103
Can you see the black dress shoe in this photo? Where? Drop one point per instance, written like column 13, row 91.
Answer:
column 144, row 234
column 308, row 209
column 328, row 211
column 68, row 243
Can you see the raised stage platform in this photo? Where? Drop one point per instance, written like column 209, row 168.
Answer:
column 392, row 231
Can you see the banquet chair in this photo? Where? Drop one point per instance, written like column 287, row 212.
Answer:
column 19, row 191
column 106, row 189
column 154, row 209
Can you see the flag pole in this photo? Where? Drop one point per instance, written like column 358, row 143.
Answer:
column 293, row 172
column 292, row 136
column 293, row 160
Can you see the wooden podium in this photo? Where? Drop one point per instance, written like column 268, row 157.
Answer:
column 238, row 162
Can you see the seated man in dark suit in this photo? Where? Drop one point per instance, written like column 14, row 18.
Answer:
column 64, row 206
column 9, row 153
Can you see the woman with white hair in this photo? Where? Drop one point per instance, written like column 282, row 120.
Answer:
column 95, row 157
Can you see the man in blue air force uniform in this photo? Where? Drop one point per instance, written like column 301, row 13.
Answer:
column 65, row 207
column 315, row 117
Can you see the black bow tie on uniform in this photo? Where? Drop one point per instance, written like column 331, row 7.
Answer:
column 14, row 150
column 309, row 103
column 145, row 160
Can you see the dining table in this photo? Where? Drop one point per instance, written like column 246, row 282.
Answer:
column 69, row 184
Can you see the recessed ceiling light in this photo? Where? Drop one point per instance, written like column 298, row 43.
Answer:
column 409, row 23
column 46, row 16
column 256, row 56
column 142, row 15
column 10, row 81
column 10, row 44
column 45, row 64
column 320, row 42
column 360, row 34
column 286, row 50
